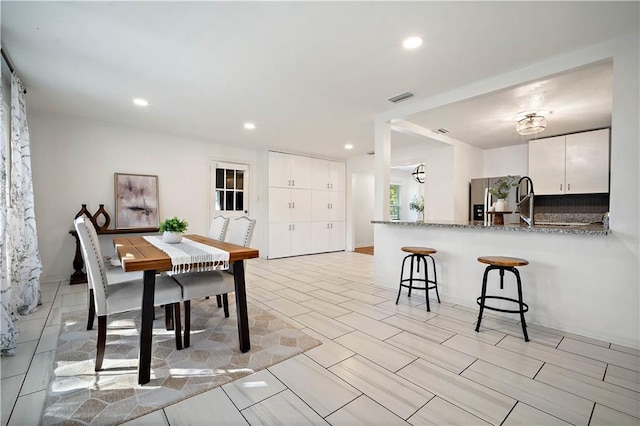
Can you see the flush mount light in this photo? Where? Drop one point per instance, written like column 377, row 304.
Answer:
column 531, row 124
column 249, row 126
column 412, row 42
column 141, row 102
column 348, row 146
column 419, row 173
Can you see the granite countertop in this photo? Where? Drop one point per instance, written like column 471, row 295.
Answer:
column 590, row 229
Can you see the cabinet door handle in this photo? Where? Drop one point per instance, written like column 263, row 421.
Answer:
column 568, row 187
column 293, row 205
column 332, row 226
column 289, row 227
column 331, row 186
column 293, row 182
column 293, row 227
column 560, row 187
column 331, row 205
column 327, row 226
column 289, row 205
column 327, row 186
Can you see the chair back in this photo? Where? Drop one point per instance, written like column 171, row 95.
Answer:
column 219, row 225
column 240, row 231
column 96, row 271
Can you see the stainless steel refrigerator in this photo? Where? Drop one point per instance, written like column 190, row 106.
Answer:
column 480, row 200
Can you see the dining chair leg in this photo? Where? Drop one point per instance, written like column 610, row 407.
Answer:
column 225, row 303
column 168, row 317
column 187, row 323
column 102, row 341
column 177, row 325
column 92, row 310
column 219, row 300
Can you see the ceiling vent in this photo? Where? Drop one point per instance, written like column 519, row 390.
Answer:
column 371, row 153
column 443, row 130
column 401, row 97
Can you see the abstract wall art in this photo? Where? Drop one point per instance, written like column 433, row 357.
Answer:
column 136, row 201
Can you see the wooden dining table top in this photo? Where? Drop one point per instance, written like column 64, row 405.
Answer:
column 138, row 254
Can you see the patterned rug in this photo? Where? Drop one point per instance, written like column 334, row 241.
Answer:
column 79, row 395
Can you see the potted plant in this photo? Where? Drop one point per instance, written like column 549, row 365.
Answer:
column 172, row 229
column 501, row 191
column 417, row 205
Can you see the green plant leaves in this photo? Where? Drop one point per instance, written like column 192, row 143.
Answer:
column 173, row 225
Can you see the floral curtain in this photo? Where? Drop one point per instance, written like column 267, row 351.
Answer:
column 21, row 281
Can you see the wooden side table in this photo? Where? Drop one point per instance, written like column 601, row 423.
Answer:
column 80, row 277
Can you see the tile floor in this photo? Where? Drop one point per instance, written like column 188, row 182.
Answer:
column 380, row 363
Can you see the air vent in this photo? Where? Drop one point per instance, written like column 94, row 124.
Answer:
column 401, row 97
column 443, row 130
column 371, row 153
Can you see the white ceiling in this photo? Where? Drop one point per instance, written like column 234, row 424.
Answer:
column 311, row 75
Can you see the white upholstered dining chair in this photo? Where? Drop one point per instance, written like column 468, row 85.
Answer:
column 123, row 296
column 218, row 229
column 197, row 285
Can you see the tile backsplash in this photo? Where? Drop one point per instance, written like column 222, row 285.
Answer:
column 571, row 208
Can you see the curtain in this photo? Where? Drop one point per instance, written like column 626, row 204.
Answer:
column 21, row 287
column 9, row 310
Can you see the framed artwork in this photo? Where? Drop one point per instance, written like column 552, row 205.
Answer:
column 136, row 201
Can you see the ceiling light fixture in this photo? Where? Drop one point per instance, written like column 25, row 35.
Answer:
column 348, row 146
column 141, row 102
column 412, row 42
column 249, row 126
column 419, row 173
column 531, row 124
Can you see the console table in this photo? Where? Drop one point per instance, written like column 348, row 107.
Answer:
column 80, row 277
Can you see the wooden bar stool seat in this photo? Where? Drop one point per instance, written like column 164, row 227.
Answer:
column 503, row 263
column 419, row 255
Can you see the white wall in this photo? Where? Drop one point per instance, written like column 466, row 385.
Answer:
column 74, row 159
column 438, row 197
column 510, row 160
column 467, row 164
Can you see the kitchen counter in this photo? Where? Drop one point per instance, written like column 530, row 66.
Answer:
column 591, row 229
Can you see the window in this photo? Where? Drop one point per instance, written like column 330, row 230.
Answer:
column 394, row 202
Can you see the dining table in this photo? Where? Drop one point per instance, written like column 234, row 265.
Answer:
column 138, row 254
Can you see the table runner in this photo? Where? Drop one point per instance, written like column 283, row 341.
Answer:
column 192, row 256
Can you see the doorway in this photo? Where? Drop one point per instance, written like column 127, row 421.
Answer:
column 229, row 194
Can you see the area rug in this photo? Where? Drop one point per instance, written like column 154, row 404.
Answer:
column 77, row 395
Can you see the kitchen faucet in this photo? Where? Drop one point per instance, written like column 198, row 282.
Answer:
column 529, row 197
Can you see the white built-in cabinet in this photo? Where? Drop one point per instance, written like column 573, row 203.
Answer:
column 306, row 205
column 577, row 163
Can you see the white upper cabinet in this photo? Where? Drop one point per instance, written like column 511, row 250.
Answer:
column 573, row 164
column 327, row 175
column 289, row 171
column 546, row 165
column 337, row 176
column 587, row 158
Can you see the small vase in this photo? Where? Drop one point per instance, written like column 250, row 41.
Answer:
column 501, row 205
column 171, row 237
column 105, row 215
column 420, row 217
column 83, row 211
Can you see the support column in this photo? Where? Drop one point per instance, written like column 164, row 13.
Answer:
column 382, row 139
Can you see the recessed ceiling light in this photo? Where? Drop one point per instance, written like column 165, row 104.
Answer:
column 348, row 146
column 141, row 102
column 249, row 126
column 412, row 42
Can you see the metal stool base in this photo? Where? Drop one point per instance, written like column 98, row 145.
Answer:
column 522, row 307
column 426, row 281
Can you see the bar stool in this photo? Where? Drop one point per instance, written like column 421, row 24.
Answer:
column 419, row 254
column 502, row 264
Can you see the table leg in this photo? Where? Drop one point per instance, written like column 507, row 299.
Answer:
column 241, row 306
column 146, row 332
